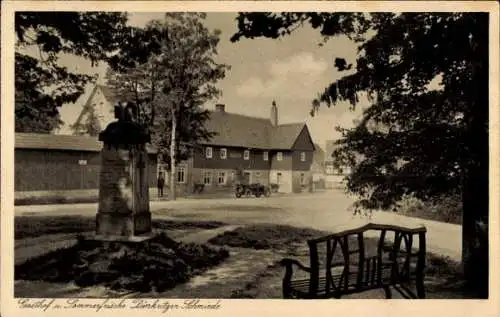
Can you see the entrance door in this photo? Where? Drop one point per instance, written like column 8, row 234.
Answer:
column 246, row 178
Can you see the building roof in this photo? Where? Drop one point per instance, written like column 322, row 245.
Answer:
column 108, row 94
column 60, row 142
column 238, row 130
column 285, row 135
column 233, row 130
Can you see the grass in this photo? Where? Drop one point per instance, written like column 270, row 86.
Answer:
column 35, row 226
column 55, row 200
column 265, row 236
column 90, row 198
column 444, row 278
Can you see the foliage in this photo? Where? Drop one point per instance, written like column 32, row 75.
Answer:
column 411, row 139
column 42, row 86
column 178, row 76
column 443, row 208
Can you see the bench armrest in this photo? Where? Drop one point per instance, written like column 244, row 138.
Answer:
column 289, row 262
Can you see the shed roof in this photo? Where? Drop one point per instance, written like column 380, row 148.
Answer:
column 61, row 142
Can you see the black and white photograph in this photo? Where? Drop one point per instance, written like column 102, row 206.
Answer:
column 250, row 154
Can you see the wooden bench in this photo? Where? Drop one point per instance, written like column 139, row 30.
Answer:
column 391, row 266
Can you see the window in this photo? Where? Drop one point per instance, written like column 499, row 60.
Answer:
column 329, row 169
column 223, row 154
column 279, row 156
column 302, row 156
column 221, row 179
column 266, row 156
column 181, row 174
column 246, row 155
column 208, row 152
column 302, row 179
column 207, row 178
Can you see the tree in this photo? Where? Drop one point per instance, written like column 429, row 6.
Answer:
column 171, row 77
column 411, row 139
column 42, row 86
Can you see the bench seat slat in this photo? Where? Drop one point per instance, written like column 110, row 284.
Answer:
column 302, row 285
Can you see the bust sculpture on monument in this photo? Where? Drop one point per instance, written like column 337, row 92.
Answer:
column 123, row 212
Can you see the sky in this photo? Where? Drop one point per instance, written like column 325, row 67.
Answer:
column 291, row 70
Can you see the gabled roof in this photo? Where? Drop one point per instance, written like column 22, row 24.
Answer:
column 61, row 142
column 108, row 94
column 284, row 136
column 238, row 130
column 233, row 130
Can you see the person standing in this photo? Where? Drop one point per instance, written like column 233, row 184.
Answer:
column 160, row 184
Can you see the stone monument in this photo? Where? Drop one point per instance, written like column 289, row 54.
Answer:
column 123, row 213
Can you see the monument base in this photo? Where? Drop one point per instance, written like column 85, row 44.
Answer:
column 113, row 238
column 123, row 226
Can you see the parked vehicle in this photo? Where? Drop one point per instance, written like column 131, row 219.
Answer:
column 255, row 189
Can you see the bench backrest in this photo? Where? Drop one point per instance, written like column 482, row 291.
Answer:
column 369, row 270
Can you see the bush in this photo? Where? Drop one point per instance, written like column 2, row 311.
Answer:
column 443, row 208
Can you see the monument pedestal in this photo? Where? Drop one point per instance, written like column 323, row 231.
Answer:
column 119, row 227
column 123, row 213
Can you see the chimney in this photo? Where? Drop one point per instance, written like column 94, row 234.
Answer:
column 274, row 114
column 220, row 107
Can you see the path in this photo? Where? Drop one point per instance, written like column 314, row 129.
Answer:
column 323, row 211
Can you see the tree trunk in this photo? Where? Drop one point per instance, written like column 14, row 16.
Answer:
column 474, row 236
column 475, row 228
column 173, row 178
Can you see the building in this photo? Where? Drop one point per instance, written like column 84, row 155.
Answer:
column 245, row 149
column 58, row 163
column 334, row 176
column 318, row 167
